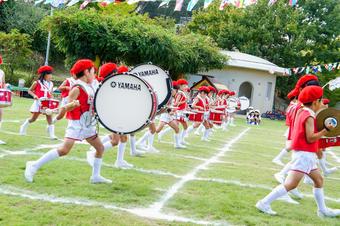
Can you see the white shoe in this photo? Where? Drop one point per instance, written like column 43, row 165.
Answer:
column 2, row 142
column 307, row 180
column 264, row 208
column 180, row 146
column 329, row 213
column 30, row 171
column 152, row 150
column 278, row 162
column 330, row 171
column 295, row 192
column 54, row 121
column 100, row 180
column 90, row 157
column 123, row 165
column 279, row 177
column 205, row 139
column 197, row 133
column 288, row 199
column 185, row 143
column 143, row 147
column 137, row 153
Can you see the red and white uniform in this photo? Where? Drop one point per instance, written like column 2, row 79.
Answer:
column 289, row 110
column 207, row 108
column 69, row 82
column 304, row 158
column 42, row 90
column 81, row 123
column 198, row 117
column 292, row 116
column 181, row 97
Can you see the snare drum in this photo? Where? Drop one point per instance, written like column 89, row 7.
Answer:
column 51, row 104
column 159, row 81
column 5, row 98
column 217, row 116
column 196, row 117
column 125, row 103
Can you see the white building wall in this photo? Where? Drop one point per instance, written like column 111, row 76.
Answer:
column 233, row 77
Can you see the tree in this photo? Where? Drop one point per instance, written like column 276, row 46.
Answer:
column 287, row 36
column 113, row 33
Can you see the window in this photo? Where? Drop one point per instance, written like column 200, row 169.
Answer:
column 269, row 90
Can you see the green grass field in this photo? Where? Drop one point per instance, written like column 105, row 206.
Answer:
column 217, row 182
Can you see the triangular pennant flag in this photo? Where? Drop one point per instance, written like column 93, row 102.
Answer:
column 239, row 3
column 301, row 70
column 334, row 84
column 326, row 66
column 72, row 2
column 295, row 70
column 48, row 2
column 252, row 2
column 293, row 2
column 163, row 3
column 179, row 4
column 334, row 66
column 271, row 2
column 191, row 5
column 38, row 2
column 319, row 68
column 307, row 69
column 84, row 4
column 330, row 67
column 338, row 68
column 207, row 3
column 223, row 4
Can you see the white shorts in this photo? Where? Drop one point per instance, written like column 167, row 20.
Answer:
column 35, row 107
column 76, row 131
column 303, row 161
column 166, row 117
column 64, row 101
column 288, row 144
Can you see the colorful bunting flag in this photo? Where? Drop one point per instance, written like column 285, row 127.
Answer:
column 207, row 3
column 84, row 4
column 179, row 4
column 191, row 5
column 223, row 4
column 293, row 2
column 72, row 2
column 163, row 3
column 239, row 3
column 271, row 2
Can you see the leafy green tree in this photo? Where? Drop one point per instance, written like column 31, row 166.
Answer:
column 287, row 36
column 114, row 33
column 16, row 50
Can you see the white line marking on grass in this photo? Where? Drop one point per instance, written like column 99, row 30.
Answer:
column 157, row 206
column 9, row 190
column 27, row 135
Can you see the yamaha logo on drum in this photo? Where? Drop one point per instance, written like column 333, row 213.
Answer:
column 147, row 73
column 126, row 85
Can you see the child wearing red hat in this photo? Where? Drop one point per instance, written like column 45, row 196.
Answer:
column 169, row 117
column 200, row 106
column 42, row 88
column 180, row 102
column 304, row 81
column 81, row 125
column 109, row 141
column 305, row 144
column 292, row 96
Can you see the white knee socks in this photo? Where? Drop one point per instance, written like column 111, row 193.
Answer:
column 276, row 193
column 320, row 198
column 47, row 157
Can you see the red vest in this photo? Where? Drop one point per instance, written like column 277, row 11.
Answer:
column 182, row 98
column 299, row 140
column 83, row 99
column 42, row 90
column 292, row 116
column 289, row 113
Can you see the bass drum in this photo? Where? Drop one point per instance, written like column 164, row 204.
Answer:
column 159, row 81
column 125, row 103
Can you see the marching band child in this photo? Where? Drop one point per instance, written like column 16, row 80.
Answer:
column 80, row 123
column 42, row 88
column 305, row 145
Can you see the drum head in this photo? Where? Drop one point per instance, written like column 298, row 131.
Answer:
column 232, row 104
column 244, row 103
column 159, row 81
column 125, row 103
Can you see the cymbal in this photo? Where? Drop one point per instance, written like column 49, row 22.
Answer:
column 329, row 115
